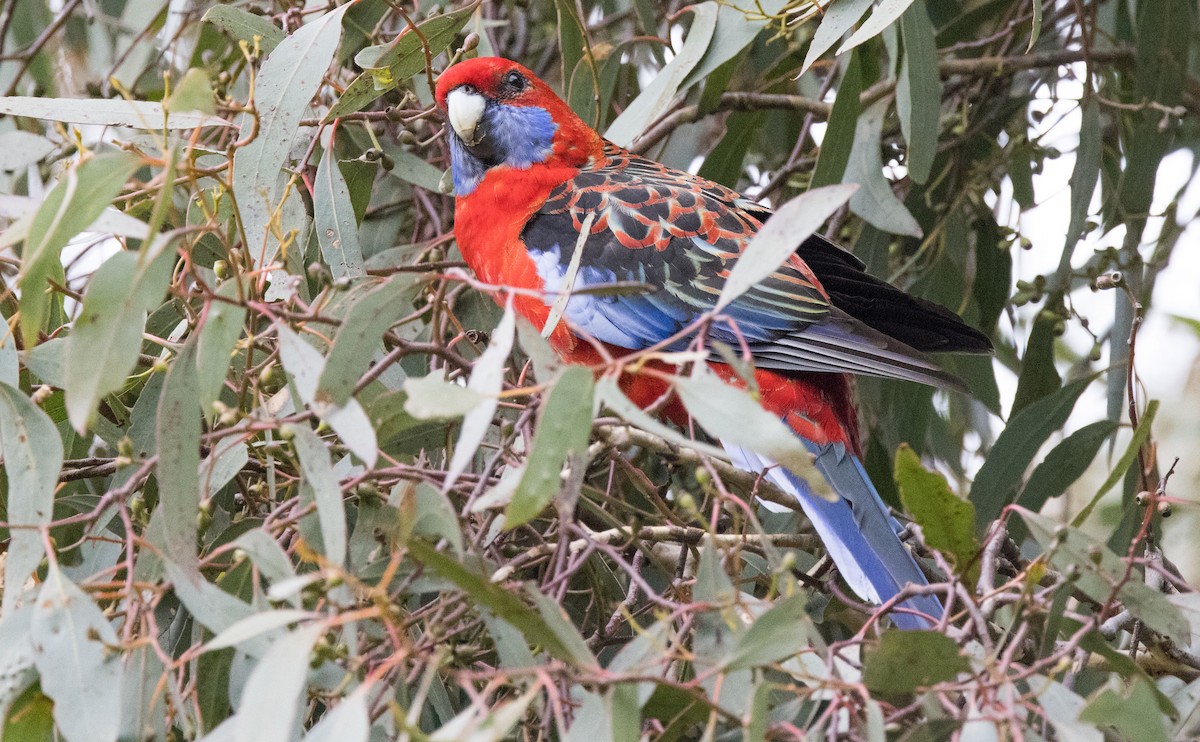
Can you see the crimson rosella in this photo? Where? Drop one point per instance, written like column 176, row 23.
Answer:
column 528, row 174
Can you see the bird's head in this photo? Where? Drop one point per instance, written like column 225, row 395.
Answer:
column 502, row 115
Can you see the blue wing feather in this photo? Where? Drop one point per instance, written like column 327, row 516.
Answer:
column 859, row 533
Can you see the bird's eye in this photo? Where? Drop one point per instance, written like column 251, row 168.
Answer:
column 515, row 81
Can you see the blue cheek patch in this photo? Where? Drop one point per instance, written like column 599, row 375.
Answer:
column 520, row 135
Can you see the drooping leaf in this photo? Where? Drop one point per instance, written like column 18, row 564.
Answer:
column 907, row 660
column 81, row 196
column 839, row 134
column 837, row 21
column 271, row 699
column 874, row 201
column 243, row 25
column 327, row 491
column 71, row 640
column 334, row 219
column 33, row 456
column 288, row 80
column 886, row 13
column 486, row 380
column 655, row 99
column 777, row 634
column 919, row 91
column 107, row 335
column 177, row 431
column 562, row 439
column 996, row 482
column 946, row 520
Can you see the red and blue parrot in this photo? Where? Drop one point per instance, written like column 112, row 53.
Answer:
column 528, row 174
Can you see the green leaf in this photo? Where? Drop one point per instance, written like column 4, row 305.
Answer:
column 1135, row 715
column 334, row 219
column 843, row 117
column 177, row 431
column 875, row 202
column 777, row 634
column 107, row 336
column 919, row 91
column 562, row 439
column 194, row 93
column 907, row 660
column 327, row 491
column 946, row 520
column 1039, row 378
column 656, row 98
column 777, row 240
column 1065, row 463
column 433, row 398
column 74, row 203
column 729, row 413
column 77, row 669
column 1083, row 183
column 30, row 718
column 361, row 336
column 1140, row 436
column 33, row 455
column 286, row 84
column 497, row 599
column 1101, row 571
column 996, row 482
column 388, row 65
column 837, row 20
column 270, row 702
column 243, row 25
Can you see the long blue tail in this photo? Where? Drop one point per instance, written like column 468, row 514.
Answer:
column 857, row 529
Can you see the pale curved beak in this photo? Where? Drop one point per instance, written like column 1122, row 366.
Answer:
column 465, row 109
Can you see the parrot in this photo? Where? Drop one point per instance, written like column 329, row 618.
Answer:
column 529, row 175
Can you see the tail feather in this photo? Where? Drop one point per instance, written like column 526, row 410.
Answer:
column 857, row 529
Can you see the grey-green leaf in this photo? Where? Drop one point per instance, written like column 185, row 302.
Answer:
column 74, row 203
column 656, row 98
column 178, row 433
column 562, row 439
column 1015, row 448
column 72, row 641
column 243, row 25
column 288, row 80
column 778, row 239
column 333, row 216
column 107, row 336
column 327, row 491
column 270, row 702
column 33, row 455
column 919, row 91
